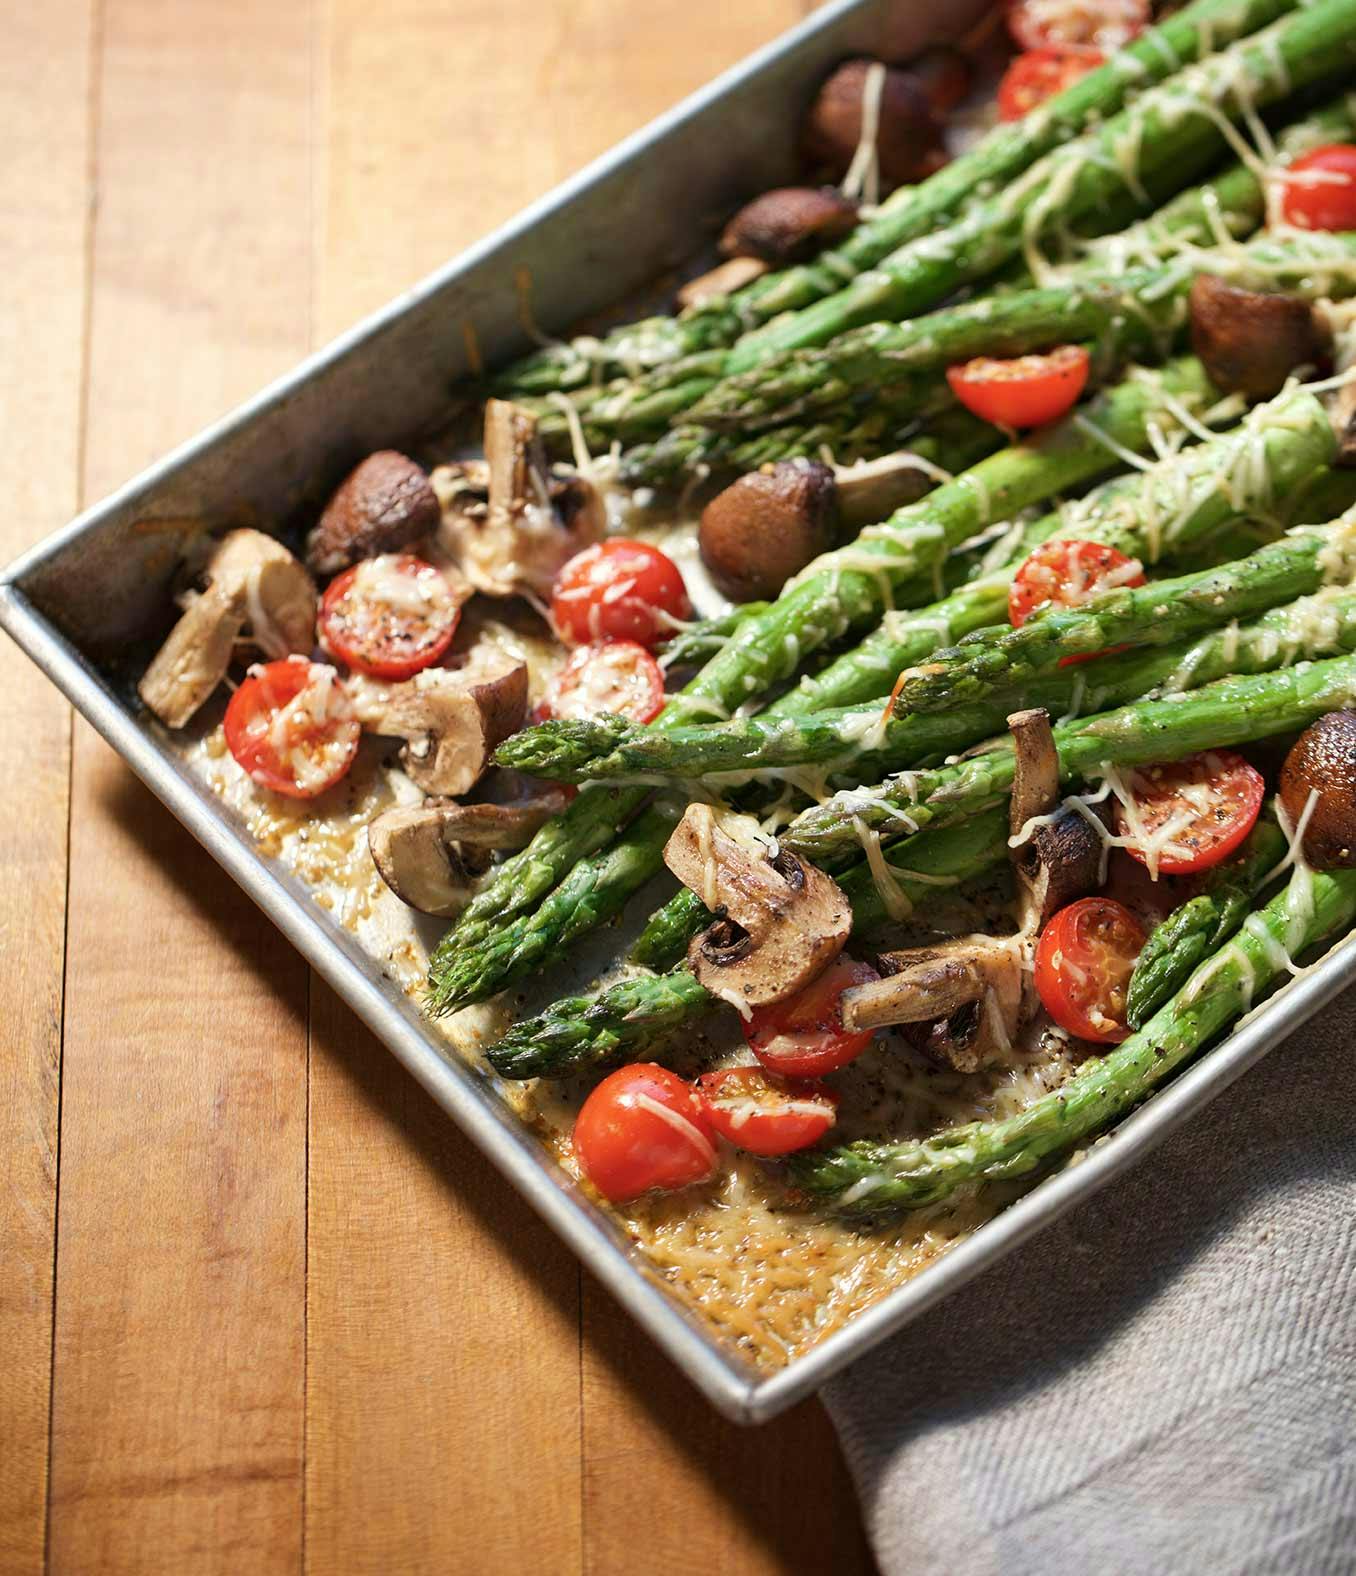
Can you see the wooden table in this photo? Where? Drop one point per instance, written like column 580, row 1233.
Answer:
column 261, row 1306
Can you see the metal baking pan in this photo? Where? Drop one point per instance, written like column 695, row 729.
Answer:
column 82, row 596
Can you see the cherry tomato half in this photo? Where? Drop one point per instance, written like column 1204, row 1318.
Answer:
column 643, row 1129
column 1320, row 189
column 1084, row 960
column 763, row 1114
column 389, row 616
column 618, row 590
column 1097, row 25
column 1038, row 75
column 1065, row 573
column 804, row 1036
column 620, row 678
column 1193, row 813
column 1026, row 391
column 292, row 728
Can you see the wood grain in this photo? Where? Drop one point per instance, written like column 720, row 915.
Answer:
column 441, row 1316
column 44, row 87
column 299, row 1323
column 178, row 1386
column 711, row 1497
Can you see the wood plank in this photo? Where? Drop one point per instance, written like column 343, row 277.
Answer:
column 442, row 1318
column 709, row 1496
column 442, row 1338
column 179, row 1368
column 44, row 206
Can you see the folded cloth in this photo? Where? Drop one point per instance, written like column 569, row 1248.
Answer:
column 1164, row 1381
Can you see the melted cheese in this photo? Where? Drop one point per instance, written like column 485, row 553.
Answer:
column 863, row 177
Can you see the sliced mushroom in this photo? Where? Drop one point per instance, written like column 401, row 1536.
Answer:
column 1061, row 859
column 720, row 281
column 431, row 854
column 767, row 526
column 254, row 589
column 1251, row 341
column 908, row 133
column 1322, row 763
column 974, row 1036
column 1343, row 413
column 454, row 719
column 789, row 224
column 383, row 504
column 529, row 522
column 782, row 922
column 964, row 998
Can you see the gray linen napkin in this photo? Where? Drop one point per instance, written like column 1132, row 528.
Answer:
column 1164, row 1381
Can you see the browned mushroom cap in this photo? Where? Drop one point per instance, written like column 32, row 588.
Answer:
column 431, row 854
column 381, row 505
column 945, row 75
column 789, row 224
column 907, row 132
column 1322, row 765
column 767, row 526
column 253, row 587
column 782, row 921
column 964, row 998
column 1060, row 859
column 517, row 536
column 1249, row 341
column 1059, row 863
column 455, row 719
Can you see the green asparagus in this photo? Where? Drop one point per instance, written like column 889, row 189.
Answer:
column 1202, row 924
column 1138, row 312
column 997, row 160
column 858, row 744
column 1220, row 715
column 832, row 596
column 869, row 1178
column 582, row 1033
column 951, row 441
column 1177, row 501
column 1006, row 660
column 700, row 641
column 1170, row 132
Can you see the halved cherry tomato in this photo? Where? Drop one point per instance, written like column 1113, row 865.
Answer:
column 618, row 590
column 389, row 616
column 1320, row 189
column 1063, row 574
column 1038, row 75
column 1098, row 25
column 291, row 727
column 1084, row 960
column 620, row 678
column 643, row 1129
column 804, row 1036
column 765, row 1115
column 1194, row 813
column 1026, row 391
